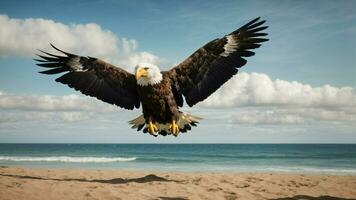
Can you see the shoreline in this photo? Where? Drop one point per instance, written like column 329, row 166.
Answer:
column 193, row 171
column 43, row 183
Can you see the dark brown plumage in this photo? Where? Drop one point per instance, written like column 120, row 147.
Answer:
column 197, row 77
column 94, row 78
column 207, row 69
column 158, row 102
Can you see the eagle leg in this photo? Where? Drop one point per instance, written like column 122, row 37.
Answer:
column 152, row 128
column 173, row 127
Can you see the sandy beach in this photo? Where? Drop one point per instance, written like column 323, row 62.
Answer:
column 34, row 183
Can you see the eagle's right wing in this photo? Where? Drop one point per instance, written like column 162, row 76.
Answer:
column 93, row 77
column 207, row 69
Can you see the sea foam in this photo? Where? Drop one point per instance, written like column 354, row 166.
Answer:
column 66, row 159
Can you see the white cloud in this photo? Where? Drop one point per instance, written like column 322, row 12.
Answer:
column 281, row 115
column 22, row 37
column 259, row 90
column 265, row 117
column 256, row 99
column 53, row 103
column 15, row 117
column 15, row 109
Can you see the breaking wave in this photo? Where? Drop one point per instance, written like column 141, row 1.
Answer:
column 66, row 159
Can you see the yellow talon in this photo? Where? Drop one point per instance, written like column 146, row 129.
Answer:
column 174, row 128
column 152, row 128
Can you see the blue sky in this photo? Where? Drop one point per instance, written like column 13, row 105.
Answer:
column 312, row 48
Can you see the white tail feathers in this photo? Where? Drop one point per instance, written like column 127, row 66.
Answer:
column 185, row 123
column 137, row 122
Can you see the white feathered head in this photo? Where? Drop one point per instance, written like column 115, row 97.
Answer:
column 147, row 74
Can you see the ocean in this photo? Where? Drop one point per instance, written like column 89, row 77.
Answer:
column 289, row 158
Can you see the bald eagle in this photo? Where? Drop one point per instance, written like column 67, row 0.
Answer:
column 159, row 92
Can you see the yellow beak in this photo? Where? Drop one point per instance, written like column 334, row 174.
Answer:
column 141, row 73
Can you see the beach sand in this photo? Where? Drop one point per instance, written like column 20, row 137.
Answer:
column 52, row 184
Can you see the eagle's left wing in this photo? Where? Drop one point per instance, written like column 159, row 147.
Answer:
column 93, row 77
column 212, row 65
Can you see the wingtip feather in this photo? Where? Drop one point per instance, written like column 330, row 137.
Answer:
column 68, row 54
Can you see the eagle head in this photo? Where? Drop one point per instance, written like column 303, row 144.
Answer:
column 147, row 74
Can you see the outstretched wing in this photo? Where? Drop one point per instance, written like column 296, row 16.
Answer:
column 93, row 77
column 212, row 65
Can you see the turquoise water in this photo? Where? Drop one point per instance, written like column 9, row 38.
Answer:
column 299, row 158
